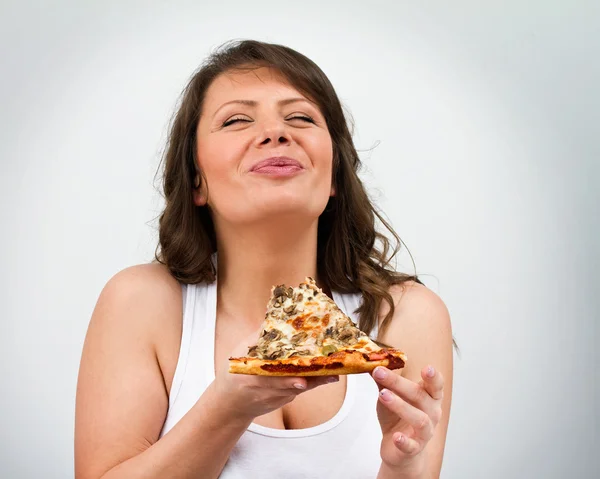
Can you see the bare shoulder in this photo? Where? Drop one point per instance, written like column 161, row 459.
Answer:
column 151, row 282
column 418, row 311
column 144, row 302
column 420, row 327
column 147, row 291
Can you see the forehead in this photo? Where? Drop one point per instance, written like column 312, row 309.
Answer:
column 251, row 84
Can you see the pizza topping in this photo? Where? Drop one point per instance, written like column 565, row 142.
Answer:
column 298, row 323
column 377, row 356
column 329, row 349
column 304, row 321
column 277, row 354
column 276, row 350
column 299, row 338
column 348, row 336
column 281, row 292
column 272, row 335
column 301, row 352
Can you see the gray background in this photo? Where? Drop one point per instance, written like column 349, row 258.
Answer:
column 485, row 117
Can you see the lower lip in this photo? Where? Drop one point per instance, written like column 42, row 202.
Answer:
column 287, row 170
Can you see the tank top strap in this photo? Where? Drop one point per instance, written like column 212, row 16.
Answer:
column 194, row 370
column 188, row 296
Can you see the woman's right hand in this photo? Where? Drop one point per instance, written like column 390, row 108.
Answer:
column 248, row 396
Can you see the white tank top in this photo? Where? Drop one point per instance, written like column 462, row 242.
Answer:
column 346, row 446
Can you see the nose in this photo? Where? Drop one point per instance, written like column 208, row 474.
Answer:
column 274, row 133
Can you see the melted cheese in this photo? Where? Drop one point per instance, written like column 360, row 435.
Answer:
column 299, row 320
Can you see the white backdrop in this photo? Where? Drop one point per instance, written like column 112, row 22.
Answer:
column 486, row 116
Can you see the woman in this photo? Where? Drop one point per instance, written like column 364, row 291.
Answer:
column 261, row 188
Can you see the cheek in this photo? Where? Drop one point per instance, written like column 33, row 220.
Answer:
column 320, row 150
column 215, row 160
column 323, row 160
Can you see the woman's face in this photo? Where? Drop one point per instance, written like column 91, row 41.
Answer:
column 264, row 150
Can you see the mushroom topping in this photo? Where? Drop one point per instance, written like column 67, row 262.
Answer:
column 348, row 336
column 259, row 352
column 272, row 335
column 276, row 350
column 290, row 309
column 275, row 354
column 279, row 291
column 302, row 352
column 299, row 337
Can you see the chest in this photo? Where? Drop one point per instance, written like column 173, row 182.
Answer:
column 346, row 448
column 309, row 409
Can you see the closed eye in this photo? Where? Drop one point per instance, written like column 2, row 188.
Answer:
column 231, row 121
column 234, row 120
column 302, row 117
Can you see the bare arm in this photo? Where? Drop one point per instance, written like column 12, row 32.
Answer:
column 122, row 397
column 421, row 327
column 122, row 392
column 198, row 444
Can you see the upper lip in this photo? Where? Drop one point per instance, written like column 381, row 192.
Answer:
column 276, row 161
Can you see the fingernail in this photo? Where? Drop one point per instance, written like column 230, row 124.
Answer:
column 430, row 371
column 380, row 373
column 400, row 439
column 299, row 386
column 385, row 395
column 332, row 379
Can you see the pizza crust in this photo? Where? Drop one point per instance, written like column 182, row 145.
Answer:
column 342, row 362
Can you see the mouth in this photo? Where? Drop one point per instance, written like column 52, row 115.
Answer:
column 277, row 166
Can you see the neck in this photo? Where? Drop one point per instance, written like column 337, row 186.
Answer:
column 252, row 259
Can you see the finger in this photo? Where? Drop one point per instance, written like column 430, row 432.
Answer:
column 300, row 385
column 406, row 444
column 433, row 382
column 419, row 420
column 405, row 388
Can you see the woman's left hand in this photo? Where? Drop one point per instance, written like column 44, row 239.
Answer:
column 408, row 413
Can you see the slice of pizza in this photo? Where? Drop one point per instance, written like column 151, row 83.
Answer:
column 306, row 334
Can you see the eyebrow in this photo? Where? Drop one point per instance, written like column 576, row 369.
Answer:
column 283, row 102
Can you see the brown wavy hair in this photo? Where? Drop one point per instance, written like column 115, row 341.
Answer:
column 352, row 256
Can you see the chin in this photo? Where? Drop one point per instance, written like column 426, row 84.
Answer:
column 282, row 208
